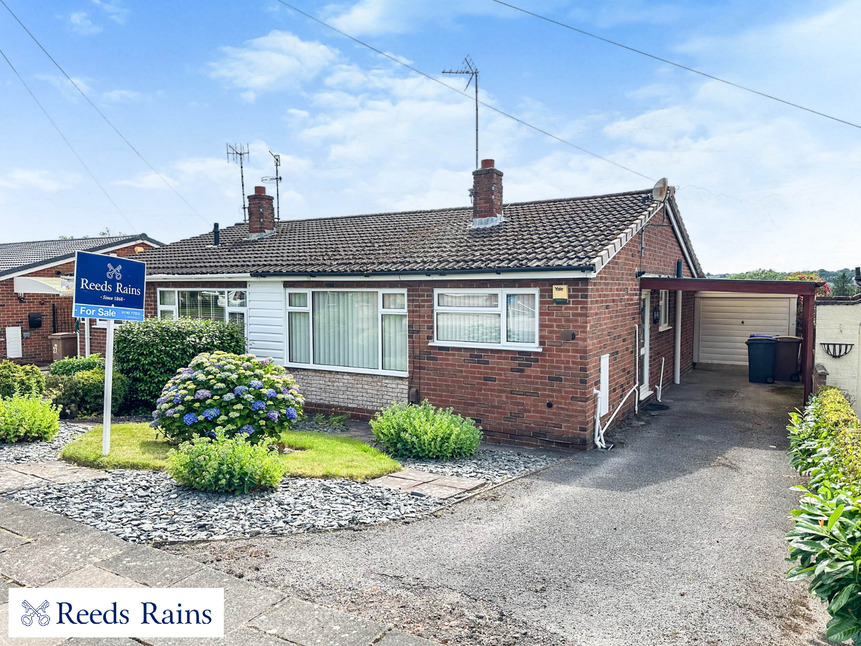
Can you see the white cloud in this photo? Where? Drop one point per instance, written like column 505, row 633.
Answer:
column 113, row 10
column 62, row 84
column 123, row 96
column 40, row 180
column 277, row 61
column 82, row 24
column 398, row 17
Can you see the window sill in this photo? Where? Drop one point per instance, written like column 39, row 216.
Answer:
column 355, row 371
column 489, row 346
column 664, row 328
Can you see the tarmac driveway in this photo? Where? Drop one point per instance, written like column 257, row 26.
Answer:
column 673, row 537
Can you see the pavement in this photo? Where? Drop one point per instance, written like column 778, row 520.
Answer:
column 674, row 537
column 40, row 549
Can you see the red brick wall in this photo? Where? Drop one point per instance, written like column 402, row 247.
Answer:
column 38, row 348
column 614, row 310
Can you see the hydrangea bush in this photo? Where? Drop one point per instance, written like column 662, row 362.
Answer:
column 230, row 394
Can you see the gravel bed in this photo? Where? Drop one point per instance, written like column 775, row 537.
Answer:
column 143, row 507
column 494, row 466
column 40, row 451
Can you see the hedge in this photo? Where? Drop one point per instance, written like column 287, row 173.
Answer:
column 825, row 446
column 150, row 352
column 20, row 379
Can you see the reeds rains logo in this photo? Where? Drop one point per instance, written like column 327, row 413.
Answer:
column 120, row 612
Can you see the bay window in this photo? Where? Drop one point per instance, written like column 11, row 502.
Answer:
column 357, row 330
column 213, row 304
column 486, row 318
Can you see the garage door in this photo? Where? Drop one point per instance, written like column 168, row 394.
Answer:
column 725, row 321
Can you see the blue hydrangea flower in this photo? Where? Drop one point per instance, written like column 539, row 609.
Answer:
column 247, row 429
column 291, row 413
column 258, row 405
column 162, row 400
column 202, row 394
column 177, row 398
column 271, row 393
column 187, row 371
column 256, row 383
column 229, row 397
column 155, row 414
column 239, row 390
column 285, row 391
column 170, row 412
column 211, row 413
column 272, row 415
column 189, row 419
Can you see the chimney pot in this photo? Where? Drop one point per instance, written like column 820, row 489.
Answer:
column 260, row 190
column 487, row 163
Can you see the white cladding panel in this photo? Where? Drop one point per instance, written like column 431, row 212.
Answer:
column 725, row 321
column 266, row 325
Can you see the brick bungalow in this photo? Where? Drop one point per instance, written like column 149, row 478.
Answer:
column 36, row 285
column 528, row 317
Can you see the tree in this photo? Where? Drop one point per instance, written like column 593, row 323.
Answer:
column 843, row 285
column 759, row 274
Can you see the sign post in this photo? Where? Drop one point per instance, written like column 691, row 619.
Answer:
column 109, row 288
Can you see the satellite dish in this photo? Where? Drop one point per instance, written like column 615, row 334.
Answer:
column 659, row 193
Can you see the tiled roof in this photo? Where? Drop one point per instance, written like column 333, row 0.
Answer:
column 550, row 234
column 18, row 256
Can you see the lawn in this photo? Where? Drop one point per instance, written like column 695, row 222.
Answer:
column 317, row 455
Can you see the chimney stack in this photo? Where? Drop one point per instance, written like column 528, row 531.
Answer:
column 261, row 213
column 486, row 195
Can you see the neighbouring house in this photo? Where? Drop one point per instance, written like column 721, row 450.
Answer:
column 36, row 288
column 541, row 320
column 838, row 348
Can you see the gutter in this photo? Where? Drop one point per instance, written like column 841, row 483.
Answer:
column 419, row 272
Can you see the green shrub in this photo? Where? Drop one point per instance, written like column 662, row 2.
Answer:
column 71, row 365
column 21, row 379
column 225, row 464
column 223, row 393
column 825, row 445
column 83, row 393
column 27, row 419
column 150, row 352
column 425, row 432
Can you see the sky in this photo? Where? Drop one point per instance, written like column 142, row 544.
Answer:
column 168, row 85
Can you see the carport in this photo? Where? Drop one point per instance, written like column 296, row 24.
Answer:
column 805, row 289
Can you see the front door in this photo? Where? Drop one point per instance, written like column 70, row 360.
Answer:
column 643, row 343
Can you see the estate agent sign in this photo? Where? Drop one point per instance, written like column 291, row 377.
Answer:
column 110, row 288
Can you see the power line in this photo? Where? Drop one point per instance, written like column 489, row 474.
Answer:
column 454, row 89
column 68, row 143
column 674, row 64
column 102, row 114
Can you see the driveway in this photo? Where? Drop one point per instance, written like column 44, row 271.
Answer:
column 673, row 537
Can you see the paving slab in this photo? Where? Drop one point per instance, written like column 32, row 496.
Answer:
column 436, row 491
column 91, row 576
column 240, row 637
column 34, row 523
column 150, row 566
column 400, row 638
column 457, row 482
column 58, row 472
column 242, row 601
column 307, row 624
column 414, row 474
column 5, row 586
column 37, row 563
column 95, row 641
column 9, row 540
column 428, row 484
column 11, row 480
column 5, row 640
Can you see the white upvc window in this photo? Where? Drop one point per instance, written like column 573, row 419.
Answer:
column 348, row 330
column 486, row 318
column 665, row 311
column 229, row 305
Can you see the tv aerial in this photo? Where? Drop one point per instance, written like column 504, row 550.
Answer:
column 238, row 152
column 277, row 179
column 471, row 70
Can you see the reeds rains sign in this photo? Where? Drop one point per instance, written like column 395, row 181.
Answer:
column 108, row 287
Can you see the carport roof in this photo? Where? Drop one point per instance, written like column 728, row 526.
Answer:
column 799, row 287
